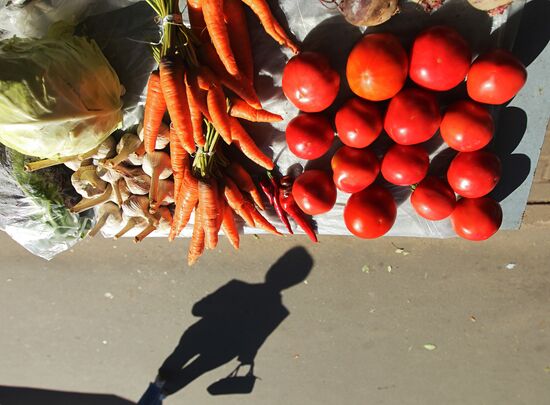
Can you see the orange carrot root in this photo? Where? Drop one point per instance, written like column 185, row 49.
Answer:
column 196, row 246
column 229, row 227
column 241, row 109
column 259, row 221
column 243, row 180
column 208, row 204
column 244, row 142
column 239, row 37
column 195, row 115
column 155, row 107
column 236, row 201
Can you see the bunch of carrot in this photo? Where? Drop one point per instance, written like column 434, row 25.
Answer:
column 205, row 82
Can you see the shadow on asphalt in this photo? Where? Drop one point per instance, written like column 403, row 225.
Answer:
column 235, row 321
column 37, row 396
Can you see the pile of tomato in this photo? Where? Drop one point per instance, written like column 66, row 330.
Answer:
column 377, row 70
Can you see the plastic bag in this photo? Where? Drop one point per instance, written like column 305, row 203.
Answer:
column 33, row 207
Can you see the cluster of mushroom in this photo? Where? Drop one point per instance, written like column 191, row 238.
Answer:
column 129, row 188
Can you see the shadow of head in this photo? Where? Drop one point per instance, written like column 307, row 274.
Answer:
column 292, row 268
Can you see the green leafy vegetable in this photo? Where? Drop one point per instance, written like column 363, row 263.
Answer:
column 58, row 95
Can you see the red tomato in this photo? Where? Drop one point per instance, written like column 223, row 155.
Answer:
column 358, row 123
column 309, row 82
column 412, row 116
column 433, row 199
column 309, row 136
column 314, row 192
column 495, row 77
column 354, row 169
column 377, row 67
column 476, row 218
column 440, row 58
column 467, row 126
column 404, row 165
column 370, row 213
column 474, row 174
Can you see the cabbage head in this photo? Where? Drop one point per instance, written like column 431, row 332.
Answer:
column 59, row 96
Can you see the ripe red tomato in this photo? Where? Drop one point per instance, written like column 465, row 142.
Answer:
column 309, row 82
column 358, row 123
column 354, row 169
column 377, row 67
column 309, row 136
column 404, row 165
column 495, row 77
column 412, row 116
column 440, row 58
column 370, row 213
column 314, row 192
column 467, row 126
column 476, row 218
column 433, row 199
column 474, row 174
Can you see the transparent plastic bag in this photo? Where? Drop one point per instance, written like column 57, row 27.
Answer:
column 33, row 207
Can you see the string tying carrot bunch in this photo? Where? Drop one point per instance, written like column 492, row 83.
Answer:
column 205, row 83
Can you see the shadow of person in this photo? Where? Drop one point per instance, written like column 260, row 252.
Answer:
column 235, row 322
column 38, row 396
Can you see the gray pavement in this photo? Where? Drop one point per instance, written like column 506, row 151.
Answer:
column 102, row 319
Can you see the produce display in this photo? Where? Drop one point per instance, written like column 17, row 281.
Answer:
column 197, row 162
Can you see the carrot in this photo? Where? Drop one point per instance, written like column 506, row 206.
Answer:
column 196, row 246
column 236, row 201
column 217, row 107
column 215, row 22
column 244, row 142
column 243, row 180
column 196, row 19
column 240, row 86
column 229, row 227
column 208, row 204
column 185, row 202
column 179, row 159
column 270, row 24
column 195, row 115
column 155, row 107
column 173, row 88
column 259, row 221
column 199, row 95
column 239, row 37
column 240, row 109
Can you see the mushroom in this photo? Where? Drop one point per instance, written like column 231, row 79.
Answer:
column 127, row 145
column 164, row 196
column 137, row 180
column 158, row 166
column 165, row 222
column 86, row 203
column 138, row 206
column 163, row 137
column 104, row 150
column 131, row 223
column 87, row 183
column 107, row 212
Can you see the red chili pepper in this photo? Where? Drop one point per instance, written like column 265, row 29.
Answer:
column 271, row 189
column 292, row 209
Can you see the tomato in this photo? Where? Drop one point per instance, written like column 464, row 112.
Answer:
column 377, row 67
column 309, row 82
column 495, row 77
column 309, row 136
column 370, row 213
column 314, row 192
column 358, row 123
column 404, row 165
column 476, row 218
column 412, row 116
column 467, row 126
column 440, row 58
column 433, row 199
column 354, row 169
column 474, row 174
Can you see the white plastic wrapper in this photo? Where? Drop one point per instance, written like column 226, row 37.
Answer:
column 123, row 34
